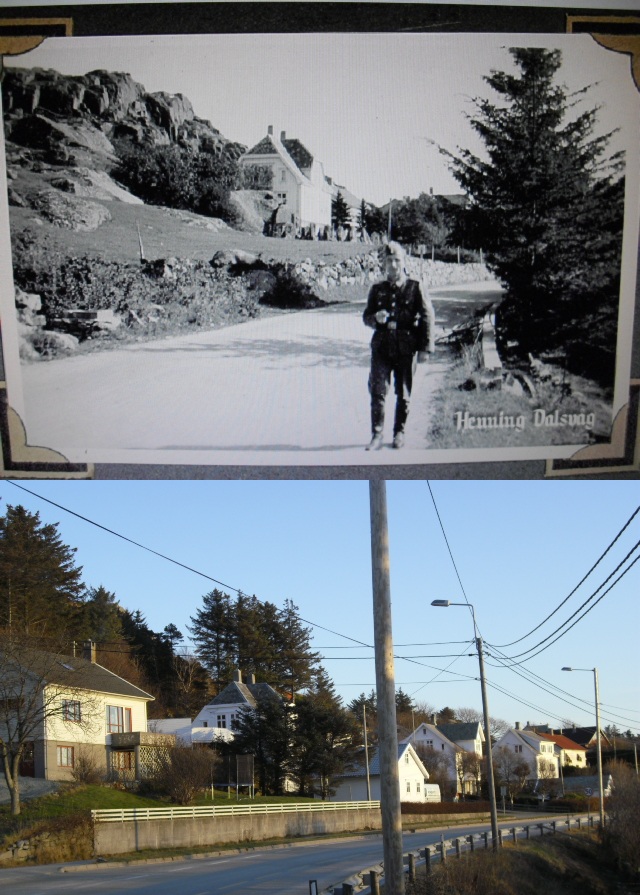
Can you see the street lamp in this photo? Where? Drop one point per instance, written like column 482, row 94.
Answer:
column 598, row 738
column 485, row 712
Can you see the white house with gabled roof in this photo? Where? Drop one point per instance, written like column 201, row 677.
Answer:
column 351, row 786
column 216, row 720
column 538, row 752
column 299, row 183
column 453, row 740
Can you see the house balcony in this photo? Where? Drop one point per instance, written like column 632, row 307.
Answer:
column 136, row 756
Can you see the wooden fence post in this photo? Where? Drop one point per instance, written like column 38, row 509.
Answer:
column 412, row 866
column 427, row 860
column 470, row 838
column 374, row 883
column 486, row 839
column 457, row 844
column 528, row 832
column 443, row 852
column 513, row 833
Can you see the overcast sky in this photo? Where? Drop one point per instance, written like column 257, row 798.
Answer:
column 517, row 550
column 366, row 105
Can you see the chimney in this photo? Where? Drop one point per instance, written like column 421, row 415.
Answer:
column 237, row 676
column 517, row 725
column 89, row 651
column 283, row 136
column 434, row 719
column 251, row 678
column 270, row 130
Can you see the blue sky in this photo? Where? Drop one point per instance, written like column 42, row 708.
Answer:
column 368, row 106
column 519, row 549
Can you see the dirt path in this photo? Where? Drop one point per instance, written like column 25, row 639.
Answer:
column 288, row 389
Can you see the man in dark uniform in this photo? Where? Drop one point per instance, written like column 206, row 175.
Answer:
column 402, row 317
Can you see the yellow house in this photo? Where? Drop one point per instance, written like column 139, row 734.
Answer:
column 67, row 710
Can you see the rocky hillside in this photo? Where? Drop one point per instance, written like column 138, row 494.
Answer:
column 74, row 115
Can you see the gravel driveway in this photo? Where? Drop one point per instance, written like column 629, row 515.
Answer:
column 30, row 788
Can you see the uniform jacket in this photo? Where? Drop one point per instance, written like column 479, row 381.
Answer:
column 410, row 326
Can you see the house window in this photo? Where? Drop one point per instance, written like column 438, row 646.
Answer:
column 123, row 761
column 65, row 756
column 408, row 785
column 118, row 719
column 517, row 748
column 282, row 197
column 443, row 747
column 234, row 720
column 283, row 175
column 406, row 759
column 418, row 786
column 222, row 721
column 429, row 742
column 71, row 710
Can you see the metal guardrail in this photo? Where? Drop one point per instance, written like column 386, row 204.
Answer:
column 115, row 815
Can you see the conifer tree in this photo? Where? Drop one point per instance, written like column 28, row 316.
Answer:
column 40, row 585
column 340, row 211
column 546, row 206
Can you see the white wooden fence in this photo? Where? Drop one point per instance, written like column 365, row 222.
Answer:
column 115, row 815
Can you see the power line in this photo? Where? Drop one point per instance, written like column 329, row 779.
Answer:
column 560, row 635
column 176, row 562
column 597, row 562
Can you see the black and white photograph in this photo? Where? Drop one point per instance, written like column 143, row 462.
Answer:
column 319, row 249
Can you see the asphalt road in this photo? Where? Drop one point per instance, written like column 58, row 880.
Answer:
column 285, row 870
column 284, row 389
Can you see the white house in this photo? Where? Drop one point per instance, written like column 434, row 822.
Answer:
column 413, row 776
column 299, row 183
column 538, row 752
column 74, row 707
column 216, row 720
column 453, row 740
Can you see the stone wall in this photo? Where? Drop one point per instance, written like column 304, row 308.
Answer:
column 366, row 268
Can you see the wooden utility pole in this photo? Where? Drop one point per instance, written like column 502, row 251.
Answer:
column 385, row 691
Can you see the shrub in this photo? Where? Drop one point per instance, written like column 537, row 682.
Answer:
column 289, row 291
column 622, row 832
column 85, row 769
column 184, row 772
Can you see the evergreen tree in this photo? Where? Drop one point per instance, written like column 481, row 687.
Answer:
column 295, row 661
column 324, row 738
column 266, row 733
column 547, row 208
column 40, row 586
column 102, row 618
column 340, row 211
column 212, row 632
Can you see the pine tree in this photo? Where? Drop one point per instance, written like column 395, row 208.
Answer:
column 40, row 586
column 324, row 739
column 211, row 630
column 102, row 618
column 547, row 207
column 340, row 211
